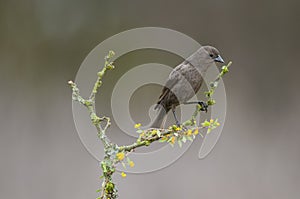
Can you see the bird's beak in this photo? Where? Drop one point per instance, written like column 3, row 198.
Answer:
column 219, row 59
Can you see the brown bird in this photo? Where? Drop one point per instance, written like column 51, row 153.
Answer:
column 184, row 82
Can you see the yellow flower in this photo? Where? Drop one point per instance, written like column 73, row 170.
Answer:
column 189, row 132
column 120, row 156
column 173, row 139
column 154, row 132
column 131, row 164
column 123, row 175
column 138, row 125
column 178, row 128
column 142, row 134
column 196, row 131
column 218, row 124
column 211, row 121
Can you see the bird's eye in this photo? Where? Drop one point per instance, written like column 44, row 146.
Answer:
column 211, row 55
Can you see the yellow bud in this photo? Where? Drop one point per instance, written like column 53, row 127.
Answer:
column 131, row 164
column 173, row 139
column 123, row 175
column 196, row 131
column 138, row 125
column 142, row 134
column 189, row 132
column 178, row 129
column 120, row 156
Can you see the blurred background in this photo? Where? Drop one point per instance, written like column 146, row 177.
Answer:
column 42, row 44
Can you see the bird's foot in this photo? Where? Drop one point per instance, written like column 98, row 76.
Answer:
column 181, row 126
column 184, row 128
column 204, row 106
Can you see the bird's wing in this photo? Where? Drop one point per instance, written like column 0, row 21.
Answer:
column 173, row 78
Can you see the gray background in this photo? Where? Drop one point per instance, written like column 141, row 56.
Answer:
column 42, row 44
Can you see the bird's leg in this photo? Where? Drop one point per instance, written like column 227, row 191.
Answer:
column 175, row 117
column 203, row 105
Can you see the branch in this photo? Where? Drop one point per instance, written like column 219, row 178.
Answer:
column 164, row 135
column 213, row 85
column 90, row 102
column 115, row 154
column 108, row 188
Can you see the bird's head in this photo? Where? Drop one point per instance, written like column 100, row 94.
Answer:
column 212, row 54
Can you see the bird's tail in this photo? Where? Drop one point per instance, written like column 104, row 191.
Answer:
column 160, row 119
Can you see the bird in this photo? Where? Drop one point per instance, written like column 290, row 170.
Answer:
column 184, row 82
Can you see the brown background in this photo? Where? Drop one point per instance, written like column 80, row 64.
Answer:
column 42, row 44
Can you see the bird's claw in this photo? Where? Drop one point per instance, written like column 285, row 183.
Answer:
column 204, row 106
column 181, row 126
column 178, row 124
column 184, row 128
